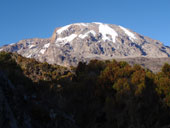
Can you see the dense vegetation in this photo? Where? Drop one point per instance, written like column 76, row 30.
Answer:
column 100, row 94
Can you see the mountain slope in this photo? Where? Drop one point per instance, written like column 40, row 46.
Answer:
column 85, row 41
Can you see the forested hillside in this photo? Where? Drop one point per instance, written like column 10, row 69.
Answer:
column 100, row 94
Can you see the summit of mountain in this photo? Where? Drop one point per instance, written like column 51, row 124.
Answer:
column 77, row 42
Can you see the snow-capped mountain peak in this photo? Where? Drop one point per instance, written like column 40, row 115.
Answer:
column 84, row 41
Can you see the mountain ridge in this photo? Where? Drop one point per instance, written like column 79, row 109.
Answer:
column 77, row 42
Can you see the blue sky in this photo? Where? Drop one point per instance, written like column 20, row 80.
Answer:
column 22, row 19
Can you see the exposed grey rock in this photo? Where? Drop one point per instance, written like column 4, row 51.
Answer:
column 153, row 64
column 85, row 41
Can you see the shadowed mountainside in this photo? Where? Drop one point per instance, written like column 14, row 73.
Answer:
column 99, row 94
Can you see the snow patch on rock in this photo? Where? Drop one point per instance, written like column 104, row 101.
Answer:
column 29, row 56
column 59, row 31
column 46, row 45
column 106, row 30
column 62, row 29
column 81, row 24
column 42, row 51
column 57, row 44
column 130, row 34
column 97, row 23
column 86, row 34
column 31, row 46
column 66, row 39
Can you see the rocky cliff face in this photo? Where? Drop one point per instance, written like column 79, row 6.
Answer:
column 85, row 41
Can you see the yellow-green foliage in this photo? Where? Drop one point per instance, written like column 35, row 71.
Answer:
column 162, row 80
column 166, row 69
column 122, row 85
column 31, row 68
